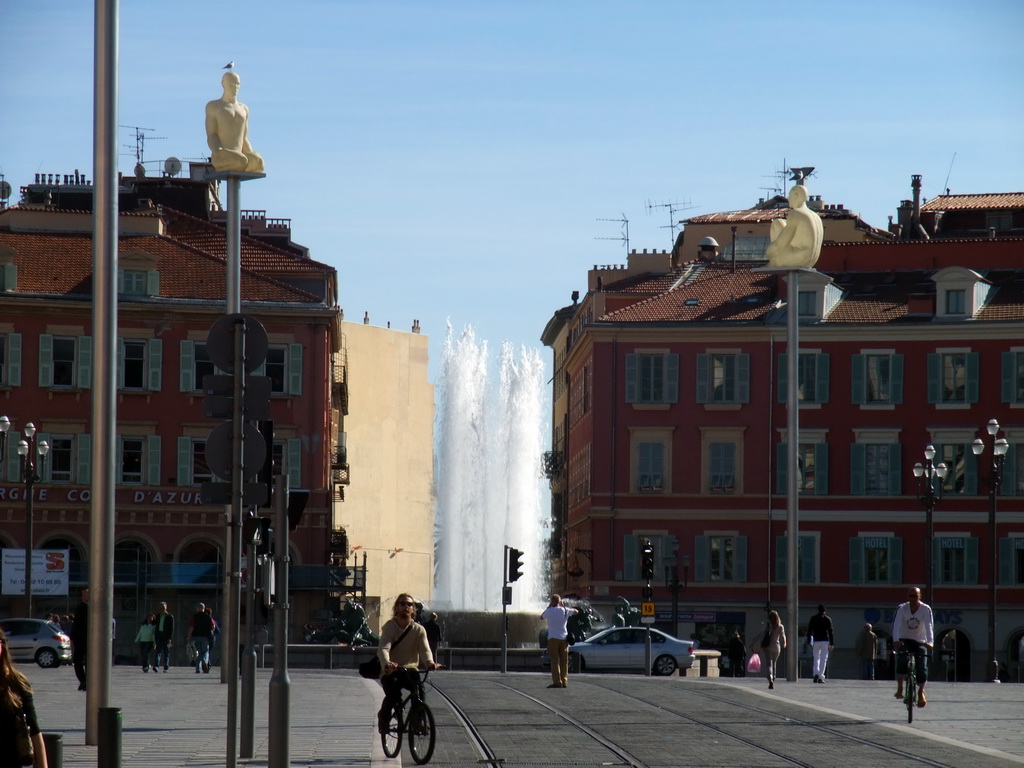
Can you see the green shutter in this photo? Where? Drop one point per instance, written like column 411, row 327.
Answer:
column 821, row 469
column 1009, row 377
column 630, row 546
column 119, row 461
column 858, row 385
column 856, row 560
column 671, row 378
column 740, row 568
column 120, row 280
column 45, row 360
column 971, row 561
column 632, row 378
column 1006, row 563
column 10, row 277
column 120, row 363
column 895, row 560
column 857, row 458
column 743, row 378
column 934, row 378
column 896, row 379
column 185, row 460
column 294, row 448
column 821, row 364
column 971, row 388
column 13, row 359
column 780, row 559
column 43, row 465
column 700, row 558
column 186, row 368
column 937, row 560
column 152, row 282
column 84, row 362
column 12, row 472
column 154, row 359
column 970, row 471
column 83, row 459
column 807, row 559
column 703, row 368
column 294, row 369
column 153, row 460
column 1008, row 486
column 781, row 475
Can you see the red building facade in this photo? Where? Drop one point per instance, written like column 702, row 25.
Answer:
column 670, row 424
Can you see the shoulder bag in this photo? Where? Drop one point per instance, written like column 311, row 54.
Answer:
column 23, row 740
column 371, row 668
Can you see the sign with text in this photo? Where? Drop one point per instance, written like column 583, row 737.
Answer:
column 50, row 571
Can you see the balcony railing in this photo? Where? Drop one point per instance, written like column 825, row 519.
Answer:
column 553, row 463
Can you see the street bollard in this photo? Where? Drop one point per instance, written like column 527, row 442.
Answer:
column 53, row 744
column 108, row 753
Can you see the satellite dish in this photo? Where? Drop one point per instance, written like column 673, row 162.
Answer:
column 172, row 166
column 5, row 190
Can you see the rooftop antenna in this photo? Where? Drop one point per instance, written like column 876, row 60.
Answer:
column 673, row 223
column 624, row 237
column 946, row 185
column 140, row 146
column 779, row 187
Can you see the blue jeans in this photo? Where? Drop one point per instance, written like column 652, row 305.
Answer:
column 163, row 653
column 867, row 669
column 202, row 645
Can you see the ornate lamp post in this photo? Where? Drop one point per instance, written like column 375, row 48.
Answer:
column 995, row 476
column 32, row 453
column 928, row 495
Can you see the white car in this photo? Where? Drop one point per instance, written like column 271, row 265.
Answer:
column 624, row 648
column 36, row 640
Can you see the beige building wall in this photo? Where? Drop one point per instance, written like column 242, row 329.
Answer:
column 388, row 510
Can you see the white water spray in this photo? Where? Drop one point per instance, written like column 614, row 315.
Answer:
column 488, row 466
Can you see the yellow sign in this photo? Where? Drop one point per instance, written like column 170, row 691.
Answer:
column 646, row 609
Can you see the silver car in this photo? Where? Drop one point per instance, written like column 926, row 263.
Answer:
column 36, row 640
column 624, row 648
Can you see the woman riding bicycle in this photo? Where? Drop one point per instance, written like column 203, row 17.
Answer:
column 913, row 629
column 403, row 648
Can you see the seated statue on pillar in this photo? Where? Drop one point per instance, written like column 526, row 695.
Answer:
column 796, row 240
column 227, row 130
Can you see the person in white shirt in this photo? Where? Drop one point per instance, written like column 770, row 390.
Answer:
column 913, row 629
column 557, row 617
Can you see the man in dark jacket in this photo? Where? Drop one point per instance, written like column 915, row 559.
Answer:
column 164, row 637
column 821, row 640
column 200, row 634
column 80, row 638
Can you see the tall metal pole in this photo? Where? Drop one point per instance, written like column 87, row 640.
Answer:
column 792, row 475
column 280, row 684
column 995, row 476
column 104, row 368
column 233, row 574
column 926, row 475
column 28, row 471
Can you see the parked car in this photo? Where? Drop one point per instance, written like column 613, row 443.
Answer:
column 36, row 640
column 624, row 648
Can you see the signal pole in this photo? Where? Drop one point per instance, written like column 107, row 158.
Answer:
column 647, row 607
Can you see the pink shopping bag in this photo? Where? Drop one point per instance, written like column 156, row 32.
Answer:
column 754, row 664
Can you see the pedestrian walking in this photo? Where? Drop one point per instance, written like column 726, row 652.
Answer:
column 557, row 616
column 164, row 637
column 737, row 654
column 821, row 640
column 403, row 648
column 865, row 647
column 771, row 644
column 80, row 638
column 16, row 710
column 200, row 634
column 146, row 638
column 433, row 634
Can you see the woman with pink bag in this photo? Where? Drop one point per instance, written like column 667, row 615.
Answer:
column 772, row 642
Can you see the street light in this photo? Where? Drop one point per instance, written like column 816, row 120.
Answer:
column 995, row 475
column 927, row 495
column 29, row 449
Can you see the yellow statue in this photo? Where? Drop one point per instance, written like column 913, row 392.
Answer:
column 227, row 130
column 796, row 240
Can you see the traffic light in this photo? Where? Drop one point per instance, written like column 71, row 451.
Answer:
column 647, row 561
column 515, row 564
column 263, row 539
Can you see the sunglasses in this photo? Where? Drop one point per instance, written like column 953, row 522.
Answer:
column 404, row 604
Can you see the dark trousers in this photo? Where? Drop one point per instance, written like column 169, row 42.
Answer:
column 78, row 655
column 401, row 679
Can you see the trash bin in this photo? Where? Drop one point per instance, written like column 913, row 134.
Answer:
column 53, row 744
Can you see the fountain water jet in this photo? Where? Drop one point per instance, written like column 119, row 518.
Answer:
column 489, row 490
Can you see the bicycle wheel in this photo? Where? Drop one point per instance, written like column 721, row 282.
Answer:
column 391, row 740
column 421, row 732
column 911, row 689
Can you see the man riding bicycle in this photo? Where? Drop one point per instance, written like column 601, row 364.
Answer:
column 912, row 632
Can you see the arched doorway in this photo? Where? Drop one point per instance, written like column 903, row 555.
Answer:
column 952, row 657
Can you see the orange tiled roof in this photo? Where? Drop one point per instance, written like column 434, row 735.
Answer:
column 979, row 202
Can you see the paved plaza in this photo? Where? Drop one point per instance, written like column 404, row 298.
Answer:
column 176, row 719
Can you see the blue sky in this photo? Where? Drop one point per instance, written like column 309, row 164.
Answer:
column 453, row 158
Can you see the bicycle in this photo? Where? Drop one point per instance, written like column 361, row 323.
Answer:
column 413, row 717
column 910, row 689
